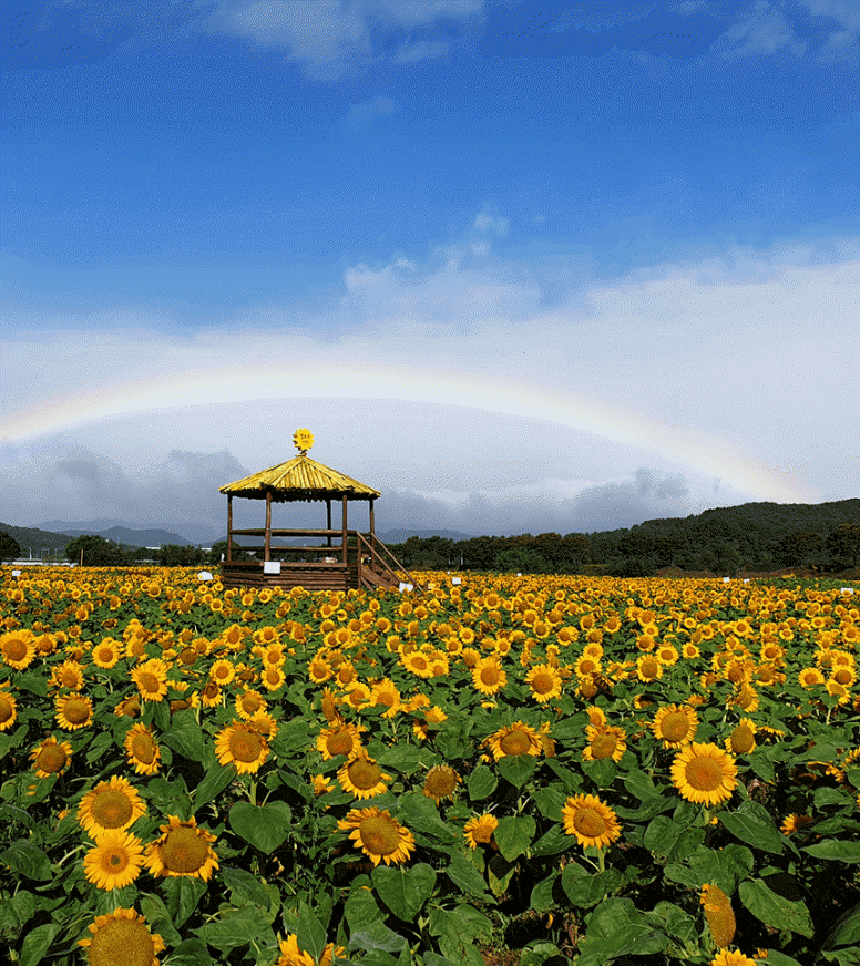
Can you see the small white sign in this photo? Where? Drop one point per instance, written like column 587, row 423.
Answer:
column 456, row 580
column 746, row 580
column 842, row 590
column 204, row 575
column 726, row 579
column 16, row 573
column 405, row 587
column 272, row 567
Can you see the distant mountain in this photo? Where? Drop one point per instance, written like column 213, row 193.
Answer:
column 137, row 538
column 401, row 535
column 34, row 539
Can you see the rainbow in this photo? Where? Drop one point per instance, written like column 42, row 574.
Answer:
column 708, row 455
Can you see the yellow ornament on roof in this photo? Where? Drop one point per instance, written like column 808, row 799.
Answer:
column 304, row 440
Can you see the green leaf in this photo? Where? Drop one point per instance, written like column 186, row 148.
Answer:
column 550, row 802
column 517, row 769
column 15, row 912
column 185, row 736
column 833, row 850
column 514, row 835
column 266, row 827
column 244, row 886
column 585, row 889
column 602, row 772
column 482, row 783
column 28, row 860
column 377, row 935
column 310, row 934
column 724, row 868
column 101, row 745
column 181, row 895
column 214, row 782
column 156, row 914
column 192, row 952
column 404, row 891
column 542, row 899
column 237, row 928
column 459, row 931
column 465, row 876
column 37, row 943
column 420, row 814
column 361, row 908
column 753, row 824
column 616, row 928
column 553, row 842
column 774, row 910
column 846, row 932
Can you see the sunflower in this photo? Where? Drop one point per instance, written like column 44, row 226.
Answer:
column 51, row 757
column 141, row 750
column 745, row 698
column 704, row 773
column 182, row 849
column 604, row 742
column 273, row 677
column 378, row 835
column 742, row 740
column 592, row 822
column 68, row 675
column 794, row 822
column 340, row 739
column 440, row 782
column 319, row 670
column 242, row 745
column 249, row 702
column 122, row 937
column 488, row 675
column 363, row 777
column 648, row 668
column 111, row 805
column 727, row 958
column 810, row 677
column 291, row 955
column 321, row 783
column 114, row 861
column 8, row 711
column 151, row 679
column 74, row 711
column 480, row 830
column 596, row 716
column 386, row 693
column 106, row 654
column 719, row 914
column 544, row 681
column 418, row 663
column 515, row 741
column 18, row 648
column 675, row 726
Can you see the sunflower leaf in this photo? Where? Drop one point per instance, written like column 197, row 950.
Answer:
column 775, row 910
column 266, row 827
column 404, row 891
column 482, row 783
column 514, row 835
column 310, row 933
column 37, row 943
column 753, row 824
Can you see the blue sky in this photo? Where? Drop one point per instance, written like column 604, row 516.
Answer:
column 652, row 205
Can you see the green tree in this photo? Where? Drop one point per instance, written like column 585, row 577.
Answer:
column 10, row 549
column 95, row 551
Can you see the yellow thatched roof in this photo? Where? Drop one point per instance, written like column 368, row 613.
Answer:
column 299, row 479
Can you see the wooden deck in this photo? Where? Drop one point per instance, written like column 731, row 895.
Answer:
column 363, row 562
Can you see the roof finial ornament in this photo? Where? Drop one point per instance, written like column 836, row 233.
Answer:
column 304, row 440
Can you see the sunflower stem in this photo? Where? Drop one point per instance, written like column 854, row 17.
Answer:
column 252, row 791
column 601, row 861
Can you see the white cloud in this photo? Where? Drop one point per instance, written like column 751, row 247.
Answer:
column 330, row 35
column 764, row 31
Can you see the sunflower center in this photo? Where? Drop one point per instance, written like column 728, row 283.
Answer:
column 76, row 710
column 419, row 662
column 745, row 698
column 184, row 851
column 516, row 742
column 379, row 835
column 705, row 774
column 272, row 675
column 251, row 703
column 68, row 679
column 115, row 860
column 650, row 667
column 112, row 808
column 489, row 675
column 143, row 748
column 603, row 746
column 246, row 745
column 126, row 941
column 363, row 774
column 842, row 676
column 543, row 682
column 675, row 726
column 440, row 783
column 6, row 711
column 149, row 682
column 340, row 743
column 105, row 654
column 188, row 655
column 51, row 758
column 743, row 739
column 589, row 823
column 482, row 833
column 15, row 650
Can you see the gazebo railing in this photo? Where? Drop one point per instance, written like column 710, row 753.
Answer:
column 376, row 549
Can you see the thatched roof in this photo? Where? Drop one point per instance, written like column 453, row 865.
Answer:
column 299, row 479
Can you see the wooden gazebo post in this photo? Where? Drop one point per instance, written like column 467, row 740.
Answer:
column 268, row 524
column 229, row 528
column 343, row 528
column 328, row 521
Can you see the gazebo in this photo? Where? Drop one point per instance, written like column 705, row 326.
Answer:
column 348, row 558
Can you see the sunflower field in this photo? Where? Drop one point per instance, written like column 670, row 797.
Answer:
column 489, row 770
